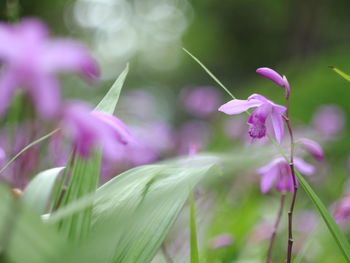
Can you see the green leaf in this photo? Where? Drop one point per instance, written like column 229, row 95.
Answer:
column 85, row 173
column 341, row 73
column 23, row 236
column 140, row 205
column 110, row 100
column 333, row 228
column 193, row 231
column 37, row 193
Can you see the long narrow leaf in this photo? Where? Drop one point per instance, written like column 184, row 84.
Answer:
column 341, row 73
column 333, row 228
column 193, row 231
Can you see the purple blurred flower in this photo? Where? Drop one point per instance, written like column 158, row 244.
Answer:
column 193, row 132
column 220, row 241
column 31, row 61
column 342, row 210
column 278, row 172
column 313, row 148
column 93, row 129
column 329, row 120
column 266, row 112
column 201, row 101
column 275, row 77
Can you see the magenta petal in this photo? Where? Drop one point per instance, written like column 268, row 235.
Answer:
column 69, row 56
column 277, row 124
column 46, row 95
column 120, row 130
column 271, row 75
column 268, row 179
column 303, row 167
column 313, row 148
column 239, row 106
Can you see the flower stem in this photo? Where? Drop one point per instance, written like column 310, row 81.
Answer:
column 295, row 186
column 275, row 227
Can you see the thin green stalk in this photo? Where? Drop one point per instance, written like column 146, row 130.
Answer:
column 193, row 230
column 27, row 148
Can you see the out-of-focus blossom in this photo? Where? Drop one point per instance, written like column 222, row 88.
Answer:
column 275, row 77
column 31, row 60
column 193, row 132
column 89, row 129
column 261, row 232
column 329, row 120
column 313, row 148
column 306, row 221
column 342, row 210
column 220, row 241
column 201, row 101
column 147, row 107
column 278, row 172
column 266, row 113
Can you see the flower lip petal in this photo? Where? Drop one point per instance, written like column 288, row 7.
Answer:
column 238, row 106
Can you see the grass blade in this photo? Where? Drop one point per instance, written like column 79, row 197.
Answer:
column 341, row 73
column 333, row 228
column 209, row 73
column 193, row 230
column 110, row 100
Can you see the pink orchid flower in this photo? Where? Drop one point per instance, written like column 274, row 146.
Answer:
column 278, row 172
column 31, row 60
column 266, row 113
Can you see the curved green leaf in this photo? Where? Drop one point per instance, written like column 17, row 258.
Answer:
column 37, row 193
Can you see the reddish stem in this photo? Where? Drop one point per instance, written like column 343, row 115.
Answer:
column 275, row 227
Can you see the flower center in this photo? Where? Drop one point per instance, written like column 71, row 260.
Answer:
column 257, row 130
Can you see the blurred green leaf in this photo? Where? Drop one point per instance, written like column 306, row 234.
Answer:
column 338, row 236
column 133, row 216
column 23, row 236
column 37, row 193
column 84, row 174
column 341, row 73
column 193, row 230
column 110, row 100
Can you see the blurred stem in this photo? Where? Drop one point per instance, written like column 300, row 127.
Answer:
column 295, row 185
column 193, row 230
column 26, row 148
column 275, row 227
column 12, row 10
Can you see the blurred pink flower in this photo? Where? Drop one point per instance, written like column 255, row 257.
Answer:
column 193, row 132
column 278, row 172
column 275, row 77
column 31, row 61
column 266, row 112
column 220, row 241
column 201, row 101
column 89, row 129
column 313, row 148
column 329, row 120
column 342, row 210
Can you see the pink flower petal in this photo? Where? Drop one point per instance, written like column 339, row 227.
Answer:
column 303, row 167
column 278, row 125
column 239, row 106
column 313, row 148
